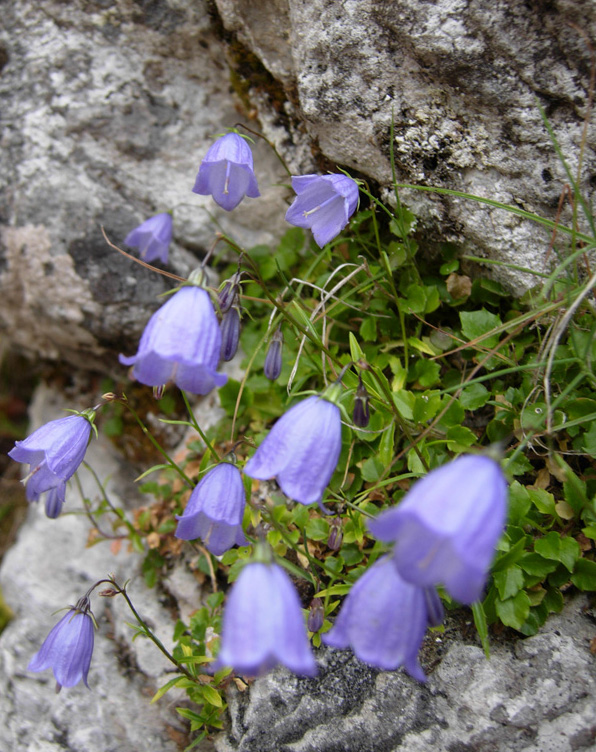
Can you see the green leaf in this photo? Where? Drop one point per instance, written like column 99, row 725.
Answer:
column 475, row 324
column 509, row 581
column 512, row 556
column 167, row 686
column 537, row 565
column 553, row 546
column 542, row 500
column 481, row 626
column 426, row 372
column 317, row 528
column 584, row 575
column 590, row 441
column 212, row 696
column 519, row 502
column 386, row 445
column 460, row 438
column 372, row 469
column 513, row 612
column 355, row 350
column 368, row 329
column 474, row 396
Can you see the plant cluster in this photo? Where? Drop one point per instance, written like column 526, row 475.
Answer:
column 433, row 442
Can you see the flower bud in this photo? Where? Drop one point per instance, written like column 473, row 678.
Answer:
column 336, row 535
column 228, row 295
column 361, row 414
column 272, row 367
column 316, row 615
column 158, row 391
column 230, row 333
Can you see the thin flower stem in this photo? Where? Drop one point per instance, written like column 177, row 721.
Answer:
column 198, row 429
column 156, row 444
column 156, row 641
column 91, row 518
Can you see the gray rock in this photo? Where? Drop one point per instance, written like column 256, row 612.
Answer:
column 50, row 567
column 462, row 81
column 533, row 695
column 107, row 110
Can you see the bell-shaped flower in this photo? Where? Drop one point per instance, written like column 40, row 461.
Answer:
column 263, row 624
column 53, row 452
column 383, row 620
column 181, row 344
column 301, row 450
column 215, row 509
column 226, row 172
column 68, row 648
column 446, row 527
column 324, row 204
column 152, row 238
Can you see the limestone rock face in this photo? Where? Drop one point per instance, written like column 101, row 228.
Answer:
column 462, row 80
column 107, row 110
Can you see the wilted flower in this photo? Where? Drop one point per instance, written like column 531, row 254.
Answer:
column 215, row 509
column 361, row 414
column 383, row 620
column 181, row 344
column 68, row 648
column 301, row 450
column 446, row 527
column 273, row 363
column 226, row 172
column 324, row 204
column 230, row 333
column 152, row 237
column 54, row 452
column 263, row 624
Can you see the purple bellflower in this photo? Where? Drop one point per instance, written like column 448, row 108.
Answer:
column 324, row 203
column 226, row 172
column 301, row 450
column 383, row 620
column 230, row 333
column 152, row 238
column 181, row 344
column 263, row 624
column 53, row 452
column 215, row 509
column 273, row 359
column 446, row 527
column 67, row 650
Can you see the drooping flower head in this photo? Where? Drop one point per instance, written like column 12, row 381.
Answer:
column 68, row 648
column 226, row 172
column 446, row 527
column 301, row 451
column 263, row 624
column 383, row 620
column 215, row 509
column 152, row 238
column 230, row 333
column 181, row 344
column 54, row 452
column 324, row 204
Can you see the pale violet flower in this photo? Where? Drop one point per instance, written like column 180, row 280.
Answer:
column 301, row 451
column 54, row 453
column 215, row 509
column 181, row 344
column 68, row 648
column 152, row 238
column 263, row 624
column 383, row 620
column 227, row 173
column 324, row 204
column 446, row 528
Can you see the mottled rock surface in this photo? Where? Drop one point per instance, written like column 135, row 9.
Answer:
column 107, row 109
column 462, row 80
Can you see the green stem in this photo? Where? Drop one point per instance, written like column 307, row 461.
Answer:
column 156, row 444
column 198, row 429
